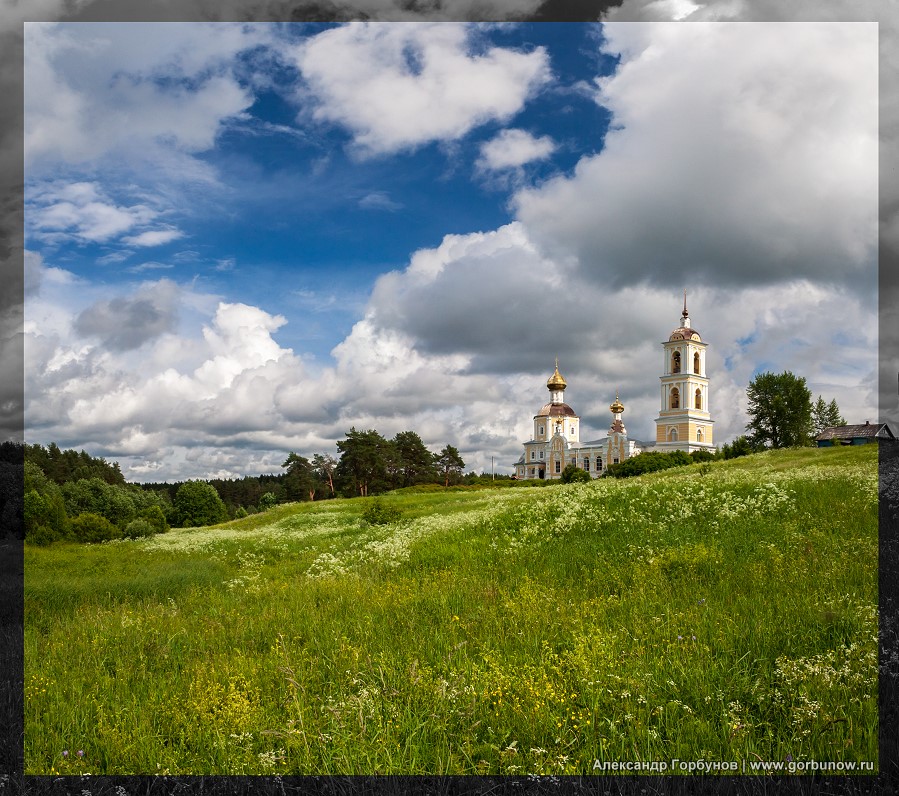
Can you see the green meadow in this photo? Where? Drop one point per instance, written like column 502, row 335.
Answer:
column 724, row 612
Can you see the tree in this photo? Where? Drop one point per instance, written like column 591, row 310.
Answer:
column 197, row 503
column 363, row 462
column 826, row 415
column 415, row 462
column 780, row 410
column 450, row 464
column 324, row 465
column 301, row 477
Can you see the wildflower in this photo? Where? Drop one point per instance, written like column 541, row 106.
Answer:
column 81, row 753
column 789, row 758
column 65, row 752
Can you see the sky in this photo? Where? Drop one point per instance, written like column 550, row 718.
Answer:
column 242, row 240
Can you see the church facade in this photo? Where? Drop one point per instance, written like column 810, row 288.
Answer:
column 684, row 421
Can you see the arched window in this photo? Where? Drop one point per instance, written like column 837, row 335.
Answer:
column 675, row 362
column 675, row 398
column 696, row 362
column 598, row 464
column 672, row 435
column 699, row 435
column 698, row 398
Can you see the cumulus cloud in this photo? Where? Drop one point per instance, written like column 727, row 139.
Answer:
column 128, row 322
column 177, row 92
column 743, row 154
column 397, row 87
column 513, row 148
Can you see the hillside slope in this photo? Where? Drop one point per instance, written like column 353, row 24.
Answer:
column 727, row 614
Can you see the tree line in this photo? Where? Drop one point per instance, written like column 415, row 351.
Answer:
column 71, row 495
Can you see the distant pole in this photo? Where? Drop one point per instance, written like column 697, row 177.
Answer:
column 492, row 471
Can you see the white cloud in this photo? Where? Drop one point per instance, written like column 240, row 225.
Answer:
column 379, row 200
column 176, row 93
column 742, row 154
column 398, row 87
column 153, row 237
column 81, row 211
column 513, row 148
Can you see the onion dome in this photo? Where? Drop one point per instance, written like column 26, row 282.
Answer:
column 556, row 410
column 685, row 331
column 556, row 382
column 616, row 408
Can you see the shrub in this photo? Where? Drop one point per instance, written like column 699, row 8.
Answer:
column 572, row 474
column 267, row 501
column 198, row 503
column 41, row 534
column 138, row 528
column 702, row 456
column 648, row 462
column 379, row 513
column 240, row 513
column 155, row 516
column 94, row 528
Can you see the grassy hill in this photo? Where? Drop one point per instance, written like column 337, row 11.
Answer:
column 727, row 613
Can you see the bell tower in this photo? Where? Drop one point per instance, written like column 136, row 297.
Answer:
column 684, row 422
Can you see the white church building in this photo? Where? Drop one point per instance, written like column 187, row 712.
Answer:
column 684, row 421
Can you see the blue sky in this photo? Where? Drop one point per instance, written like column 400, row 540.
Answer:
column 243, row 239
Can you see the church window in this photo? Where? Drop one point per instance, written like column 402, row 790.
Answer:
column 598, row 463
column 533, row 455
column 672, row 435
column 696, row 362
column 675, row 362
column 541, row 430
column 699, row 435
column 541, row 454
column 698, row 399
column 615, row 460
column 587, row 463
column 675, row 398
column 571, row 431
column 558, row 466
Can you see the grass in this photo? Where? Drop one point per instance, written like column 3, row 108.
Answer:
column 724, row 616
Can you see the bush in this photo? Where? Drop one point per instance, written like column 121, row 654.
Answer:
column 267, row 501
column 379, row 513
column 94, row 528
column 197, row 503
column 155, row 516
column 240, row 513
column 702, row 456
column 648, row 462
column 572, row 474
column 41, row 534
column 138, row 528
column 45, row 516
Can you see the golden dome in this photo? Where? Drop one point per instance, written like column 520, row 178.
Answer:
column 616, row 408
column 556, row 382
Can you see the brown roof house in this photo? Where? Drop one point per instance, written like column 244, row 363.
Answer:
column 855, row 435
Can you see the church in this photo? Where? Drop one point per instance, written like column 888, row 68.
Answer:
column 684, row 421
